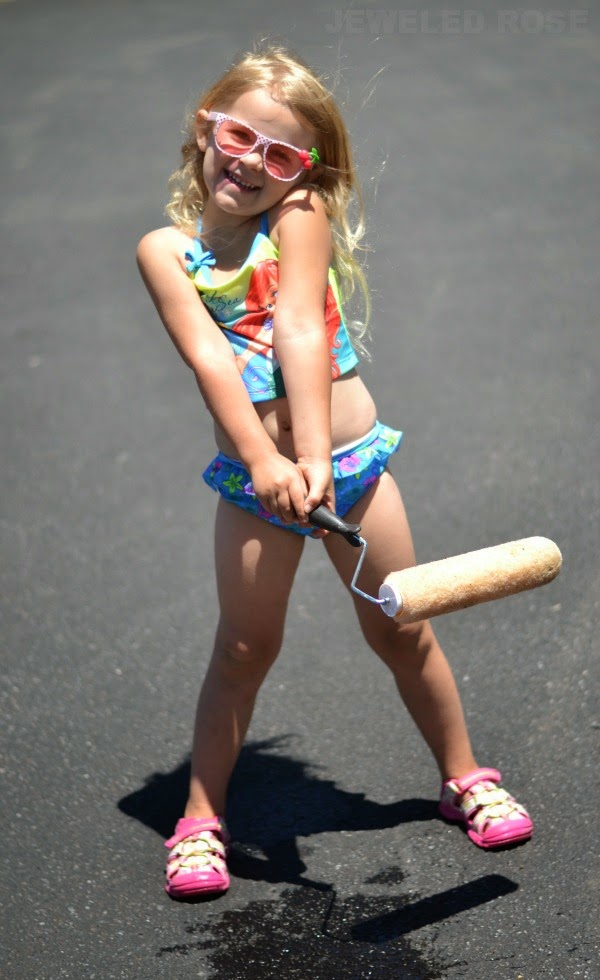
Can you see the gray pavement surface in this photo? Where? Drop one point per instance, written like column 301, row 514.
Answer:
column 476, row 135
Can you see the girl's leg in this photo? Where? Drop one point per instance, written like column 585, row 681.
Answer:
column 412, row 652
column 255, row 566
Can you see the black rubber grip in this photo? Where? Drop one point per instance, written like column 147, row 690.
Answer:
column 322, row 517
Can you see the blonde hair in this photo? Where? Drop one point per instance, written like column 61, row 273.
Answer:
column 282, row 73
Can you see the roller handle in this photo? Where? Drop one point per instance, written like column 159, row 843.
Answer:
column 324, row 518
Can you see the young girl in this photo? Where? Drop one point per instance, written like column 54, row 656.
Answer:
column 247, row 282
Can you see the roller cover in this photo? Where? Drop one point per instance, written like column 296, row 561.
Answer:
column 466, row 580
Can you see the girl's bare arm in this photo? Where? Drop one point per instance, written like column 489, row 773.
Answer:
column 303, row 237
column 277, row 481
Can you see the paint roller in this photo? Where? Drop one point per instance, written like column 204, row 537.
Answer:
column 454, row 583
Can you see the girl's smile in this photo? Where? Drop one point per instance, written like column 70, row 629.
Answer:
column 243, row 185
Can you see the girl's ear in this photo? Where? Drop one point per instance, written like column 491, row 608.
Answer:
column 202, row 129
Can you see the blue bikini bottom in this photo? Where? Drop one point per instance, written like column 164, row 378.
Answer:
column 355, row 468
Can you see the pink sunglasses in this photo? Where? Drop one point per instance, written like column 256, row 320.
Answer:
column 282, row 160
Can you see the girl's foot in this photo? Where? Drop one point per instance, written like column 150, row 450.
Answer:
column 493, row 817
column 196, row 863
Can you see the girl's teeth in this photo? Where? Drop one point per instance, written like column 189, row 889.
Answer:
column 240, row 183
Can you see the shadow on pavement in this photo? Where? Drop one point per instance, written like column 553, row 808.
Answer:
column 273, row 796
column 275, row 799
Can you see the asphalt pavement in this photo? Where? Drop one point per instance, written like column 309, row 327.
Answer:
column 476, row 136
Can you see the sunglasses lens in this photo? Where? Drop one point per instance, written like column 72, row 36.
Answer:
column 282, row 162
column 235, row 138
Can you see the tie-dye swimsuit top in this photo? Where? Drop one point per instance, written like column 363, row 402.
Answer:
column 244, row 306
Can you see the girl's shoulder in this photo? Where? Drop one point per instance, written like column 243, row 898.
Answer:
column 164, row 244
column 165, row 239
column 300, row 211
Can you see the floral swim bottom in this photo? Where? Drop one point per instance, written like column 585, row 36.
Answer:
column 355, row 468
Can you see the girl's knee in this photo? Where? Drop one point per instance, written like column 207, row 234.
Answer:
column 245, row 657
column 400, row 645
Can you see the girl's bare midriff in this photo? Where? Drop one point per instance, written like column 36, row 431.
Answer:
column 353, row 415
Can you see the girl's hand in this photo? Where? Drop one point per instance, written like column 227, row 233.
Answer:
column 318, row 475
column 280, row 487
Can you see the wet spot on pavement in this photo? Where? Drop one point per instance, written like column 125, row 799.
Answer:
column 308, row 933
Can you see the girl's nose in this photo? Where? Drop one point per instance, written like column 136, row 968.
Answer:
column 255, row 158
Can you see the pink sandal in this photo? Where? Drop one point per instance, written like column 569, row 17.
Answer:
column 492, row 816
column 196, row 863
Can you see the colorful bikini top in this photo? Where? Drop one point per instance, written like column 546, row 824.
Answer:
column 244, row 306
